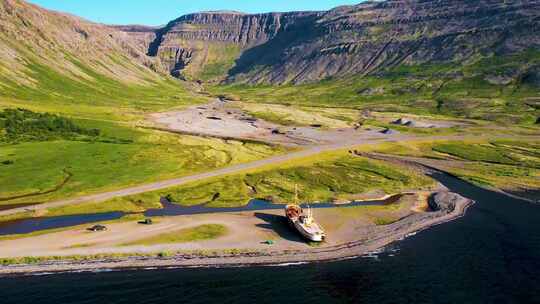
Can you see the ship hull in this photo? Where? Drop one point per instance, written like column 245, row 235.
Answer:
column 307, row 235
column 312, row 232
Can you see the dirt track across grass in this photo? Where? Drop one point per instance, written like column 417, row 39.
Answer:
column 212, row 122
column 309, row 151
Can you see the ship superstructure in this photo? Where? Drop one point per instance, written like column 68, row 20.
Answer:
column 303, row 221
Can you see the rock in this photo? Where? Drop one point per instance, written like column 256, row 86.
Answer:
column 532, row 76
column 402, row 122
column 371, row 91
column 143, row 35
column 178, row 44
column 364, row 39
column 499, row 79
column 410, row 123
column 444, row 201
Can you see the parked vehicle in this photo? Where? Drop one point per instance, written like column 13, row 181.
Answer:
column 97, row 228
column 147, row 221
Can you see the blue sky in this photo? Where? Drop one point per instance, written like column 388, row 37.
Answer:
column 157, row 12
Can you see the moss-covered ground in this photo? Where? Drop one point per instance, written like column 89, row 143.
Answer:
column 506, row 164
column 420, row 89
column 328, row 177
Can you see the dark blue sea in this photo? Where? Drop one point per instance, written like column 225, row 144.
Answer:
column 492, row 255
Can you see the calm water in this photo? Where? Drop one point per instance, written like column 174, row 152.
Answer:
column 43, row 223
column 490, row 256
column 169, row 209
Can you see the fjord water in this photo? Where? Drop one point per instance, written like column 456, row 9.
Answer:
column 492, row 255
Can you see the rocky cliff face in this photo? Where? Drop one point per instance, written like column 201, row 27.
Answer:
column 371, row 37
column 197, row 39
column 142, row 35
column 355, row 40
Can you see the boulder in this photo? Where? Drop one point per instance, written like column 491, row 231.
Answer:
column 499, row 79
column 371, row 91
column 444, row 201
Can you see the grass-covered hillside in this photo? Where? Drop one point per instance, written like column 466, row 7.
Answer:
column 66, row 44
column 501, row 88
column 101, row 98
column 54, row 62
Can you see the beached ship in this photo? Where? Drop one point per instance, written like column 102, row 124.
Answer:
column 303, row 221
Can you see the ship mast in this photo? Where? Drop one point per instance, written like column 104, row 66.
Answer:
column 296, row 194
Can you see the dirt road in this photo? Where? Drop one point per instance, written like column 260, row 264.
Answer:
column 245, row 230
column 353, row 236
column 310, row 151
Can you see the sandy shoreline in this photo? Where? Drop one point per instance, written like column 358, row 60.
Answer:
column 375, row 240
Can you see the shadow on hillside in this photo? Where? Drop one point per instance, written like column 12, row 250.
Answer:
column 272, row 51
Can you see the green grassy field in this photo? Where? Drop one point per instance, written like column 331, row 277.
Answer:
column 199, row 233
column 68, row 168
column 335, row 176
column 302, row 116
column 510, row 165
column 335, row 118
column 327, row 177
column 111, row 206
column 504, row 164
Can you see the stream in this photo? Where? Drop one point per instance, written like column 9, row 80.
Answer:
column 23, row 226
column 491, row 255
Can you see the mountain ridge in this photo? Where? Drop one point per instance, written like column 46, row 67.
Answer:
column 345, row 41
column 53, row 39
column 454, row 56
column 191, row 41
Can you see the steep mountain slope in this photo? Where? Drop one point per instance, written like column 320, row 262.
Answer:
column 30, row 34
column 478, row 59
column 374, row 36
column 51, row 58
column 347, row 41
column 455, row 56
column 205, row 45
column 141, row 35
